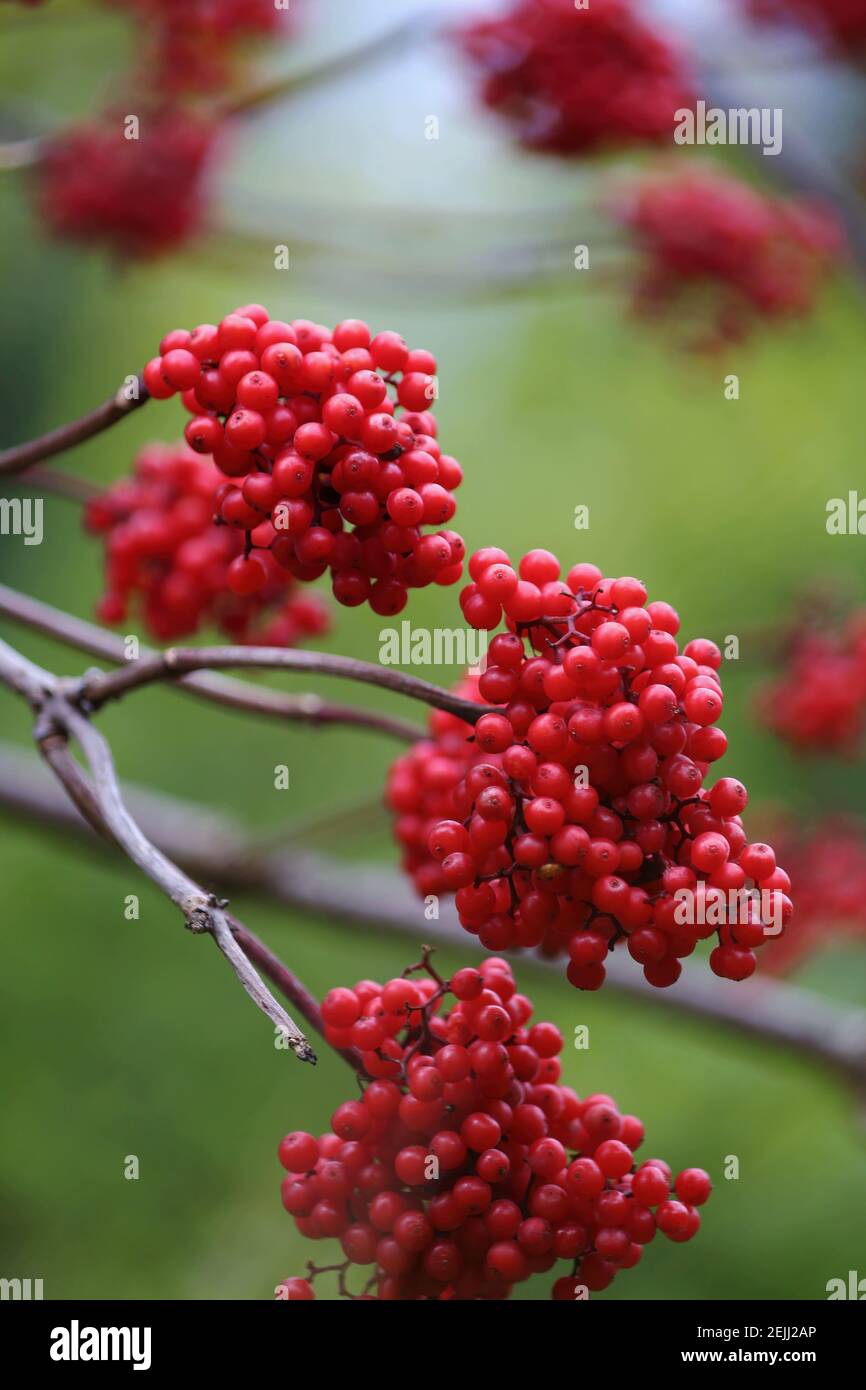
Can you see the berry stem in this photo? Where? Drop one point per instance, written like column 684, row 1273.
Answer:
column 124, row 401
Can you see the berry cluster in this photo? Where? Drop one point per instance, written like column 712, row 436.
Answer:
column 576, row 818
column 140, row 197
column 329, row 442
column 818, row 701
column 193, row 44
column 712, row 240
column 140, row 191
column 828, row 878
column 841, row 22
column 572, row 81
column 163, row 551
column 467, row 1166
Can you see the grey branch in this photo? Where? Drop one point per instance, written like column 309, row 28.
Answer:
column 117, row 407
column 217, row 849
column 99, row 688
column 99, row 799
column 233, row 694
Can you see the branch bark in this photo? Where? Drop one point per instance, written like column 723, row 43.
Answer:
column 117, row 407
column 99, row 688
column 233, row 694
column 99, row 799
column 770, row 1011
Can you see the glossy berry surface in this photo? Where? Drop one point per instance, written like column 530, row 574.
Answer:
column 572, row 80
column 139, row 197
column 728, row 252
column 467, row 1166
column 575, row 818
column 165, row 558
column 327, row 445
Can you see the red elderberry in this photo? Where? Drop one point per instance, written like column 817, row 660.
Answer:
column 164, row 555
column 464, row 1188
column 322, row 460
column 841, row 23
column 571, row 80
column 756, row 256
column 576, row 819
column 816, row 703
column 139, row 197
column 190, row 45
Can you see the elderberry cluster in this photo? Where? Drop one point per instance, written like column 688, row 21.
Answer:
column 141, row 196
column 576, row 819
column 193, row 44
column 466, row 1166
column 575, row 80
column 842, row 23
column 164, row 554
column 139, row 190
column 828, row 883
column 329, row 443
column 817, row 702
column 699, row 233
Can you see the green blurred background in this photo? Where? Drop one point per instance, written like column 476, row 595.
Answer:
column 122, row 1037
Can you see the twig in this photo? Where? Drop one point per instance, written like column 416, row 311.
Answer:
column 371, row 49
column 100, row 687
column 772, row 1011
column 279, row 975
column 124, row 401
column 99, row 799
column 67, row 485
column 20, row 154
column 222, row 690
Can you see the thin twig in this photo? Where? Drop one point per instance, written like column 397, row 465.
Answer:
column 21, row 154
column 125, row 400
column 238, row 695
column 771, row 1011
column 100, row 687
column 99, row 799
column 349, row 61
column 67, row 485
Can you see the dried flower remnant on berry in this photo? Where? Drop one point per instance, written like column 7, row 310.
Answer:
column 572, row 81
column 575, row 818
column 467, row 1166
